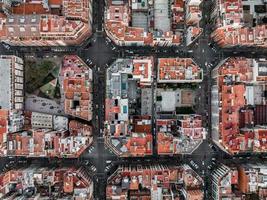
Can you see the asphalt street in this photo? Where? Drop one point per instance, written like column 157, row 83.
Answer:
column 98, row 159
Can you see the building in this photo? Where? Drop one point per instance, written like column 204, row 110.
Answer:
column 179, row 130
column 128, row 132
column 193, row 16
column 223, row 180
column 51, row 143
column 80, row 10
column 12, row 79
column 77, row 80
column 10, row 121
column 253, row 179
column 3, row 129
column 41, row 120
column 239, row 105
column 181, row 134
column 154, row 182
column 193, row 12
column 60, row 122
column 143, row 70
column 172, row 100
column 35, row 182
column 37, row 120
column 35, row 134
column 244, row 181
column 11, row 98
column 178, row 70
column 239, row 23
column 46, row 23
column 132, row 24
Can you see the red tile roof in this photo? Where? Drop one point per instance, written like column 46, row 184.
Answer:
column 43, row 28
column 55, row 2
column 235, row 115
column 231, row 30
column 178, row 69
column 77, row 87
column 29, row 9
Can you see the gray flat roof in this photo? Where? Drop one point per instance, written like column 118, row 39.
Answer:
column 140, row 20
column 162, row 20
column 5, row 83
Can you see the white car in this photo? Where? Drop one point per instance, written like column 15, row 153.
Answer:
column 93, row 168
column 6, row 46
column 108, row 40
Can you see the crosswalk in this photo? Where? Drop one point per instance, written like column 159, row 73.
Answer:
column 92, row 169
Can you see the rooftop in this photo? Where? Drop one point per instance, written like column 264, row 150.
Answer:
column 241, row 97
column 36, row 134
column 11, row 69
column 134, row 181
column 50, row 143
column 163, row 27
column 44, row 24
column 143, row 69
column 178, row 70
column 77, row 86
column 239, row 181
column 36, row 182
column 128, row 132
column 241, row 25
column 180, row 135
